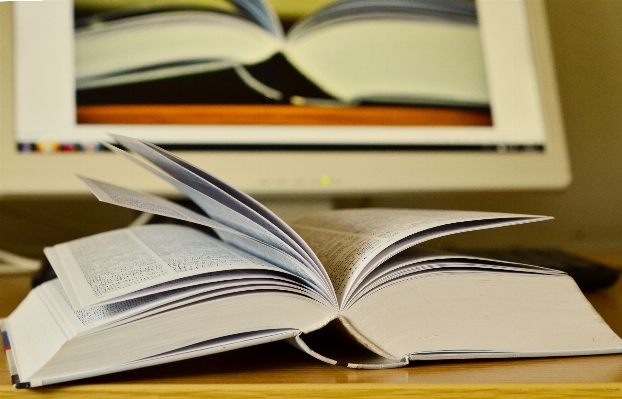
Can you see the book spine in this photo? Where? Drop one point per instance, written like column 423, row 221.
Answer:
column 10, row 358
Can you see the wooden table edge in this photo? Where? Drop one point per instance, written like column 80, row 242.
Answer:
column 332, row 390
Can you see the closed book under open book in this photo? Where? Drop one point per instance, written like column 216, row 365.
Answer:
column 152, row 294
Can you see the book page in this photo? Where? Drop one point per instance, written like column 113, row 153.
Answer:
column 226, row 213
column 421, row 261
column 227, row 205
column 203, row 280
column 348, row 240
column 219, row 200
column 105, row 316
column 112, row 264
column 149, row 203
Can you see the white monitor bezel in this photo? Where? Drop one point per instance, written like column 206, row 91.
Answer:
column 306, row 172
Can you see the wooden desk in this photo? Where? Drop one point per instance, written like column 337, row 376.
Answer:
column 278, row 371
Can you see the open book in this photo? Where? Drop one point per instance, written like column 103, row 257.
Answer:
column 397, row 52
column 147, row 295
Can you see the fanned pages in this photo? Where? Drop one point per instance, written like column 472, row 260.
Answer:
column 225, row 203
column 356, row 278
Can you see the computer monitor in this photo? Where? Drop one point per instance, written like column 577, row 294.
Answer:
column 326, row 140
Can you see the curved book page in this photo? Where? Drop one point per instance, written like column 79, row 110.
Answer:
column 245, row 207
column 227, row 215
column 347, row 241
column 148, row 203
column 217, row 189
column 113, row 264
column 418, row 262
column 447, row 11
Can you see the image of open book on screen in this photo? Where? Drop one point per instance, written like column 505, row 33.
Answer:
column 397, row 54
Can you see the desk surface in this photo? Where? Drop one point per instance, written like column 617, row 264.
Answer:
column 278, row 370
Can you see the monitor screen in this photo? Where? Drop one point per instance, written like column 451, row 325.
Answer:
column 316, row 88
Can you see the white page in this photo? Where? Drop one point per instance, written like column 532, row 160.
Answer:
column 108, row 265
column 427, row 258
column 222, row 213
column 132, row 199
column 243, row 205
column 257, row 211
column 452, row 228
column 149, row 203
column 347, row 240
column 98, row 317
column 204, row 279
column 424, row 260
column 241, row 214
column 242, row 289
column 424, row 270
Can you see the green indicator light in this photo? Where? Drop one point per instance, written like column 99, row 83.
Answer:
column 325, row 180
